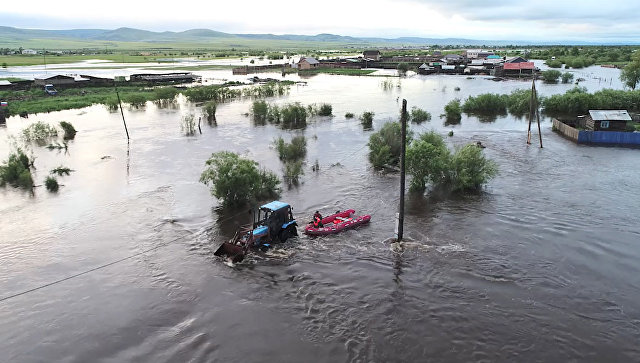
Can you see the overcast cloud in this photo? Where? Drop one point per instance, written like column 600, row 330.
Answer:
column 544, row 20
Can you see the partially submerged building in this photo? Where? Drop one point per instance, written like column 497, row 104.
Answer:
column 308, row 63
column 607, row 120
column 600, row 127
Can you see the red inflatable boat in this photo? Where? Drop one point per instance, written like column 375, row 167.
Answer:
column 337, row 223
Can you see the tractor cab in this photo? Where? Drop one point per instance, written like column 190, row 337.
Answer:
column 277, row 218
column 272, row 223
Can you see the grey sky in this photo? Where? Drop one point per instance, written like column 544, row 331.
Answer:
column 542, row 20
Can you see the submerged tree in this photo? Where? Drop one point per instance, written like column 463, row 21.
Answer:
column 385, row 145
column 470, row 169
column 236, row 180
column 428, row 161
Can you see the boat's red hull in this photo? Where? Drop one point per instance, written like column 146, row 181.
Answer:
column 330, row 227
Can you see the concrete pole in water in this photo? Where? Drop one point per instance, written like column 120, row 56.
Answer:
column 403, row 124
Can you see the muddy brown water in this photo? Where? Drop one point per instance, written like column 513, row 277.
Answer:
column 542, row 266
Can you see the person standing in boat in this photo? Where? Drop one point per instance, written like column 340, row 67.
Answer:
column 317, row 220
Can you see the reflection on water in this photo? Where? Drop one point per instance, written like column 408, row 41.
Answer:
column 541, row 266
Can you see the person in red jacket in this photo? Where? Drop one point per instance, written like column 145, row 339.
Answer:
column 317, row 220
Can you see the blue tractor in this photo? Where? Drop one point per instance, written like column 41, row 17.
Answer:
column 272, row 223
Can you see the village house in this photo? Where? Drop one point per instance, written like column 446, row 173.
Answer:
column 56, row 80
column 477, row 54
column 453, row 59
column 372, row 55
column 607, row 120
column 308, row 63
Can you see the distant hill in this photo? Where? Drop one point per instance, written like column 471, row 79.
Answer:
column 11, row 37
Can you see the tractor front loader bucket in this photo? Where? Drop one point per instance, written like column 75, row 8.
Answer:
column 230, row 251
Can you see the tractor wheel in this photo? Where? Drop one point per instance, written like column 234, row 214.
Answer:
column 290, row 231
column 284, row 235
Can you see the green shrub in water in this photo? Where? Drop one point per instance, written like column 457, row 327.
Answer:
column 236, row 180
column 325, row 110
column 16, row 171
column 385, row 145
column 295, row 150
column 367, row 119
column 69, row 130
column 453, row 112
column 419, row 115
column 39, row 131
column 209, row 110
column 292, row 171
column 52, row 184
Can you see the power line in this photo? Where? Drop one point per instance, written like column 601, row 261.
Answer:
column 88, row 271
column 101, row 266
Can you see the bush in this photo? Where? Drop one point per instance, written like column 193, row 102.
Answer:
column 348, row 115
column 419, row 115
column 367, row 119
column 188, row 124
column 52, row 184
column 209, row 110
column 567, row 77
column 385, row 145
column 325, row 110
column 69, row 130
column 259, row 110
column 16, row 171
column 236, row 180
column 556, row 63
column 470, row 169
column 135, row 100
column 293, row 151
column 452, row 111
column 165, row 93
column 206, row 93
column 577, row 101
column 39, row 131
column 551, row 76
column 488, row 103
column 294, row 115
column 428, row 161
column 292, row 171
column 269, row 89
column 518, row 102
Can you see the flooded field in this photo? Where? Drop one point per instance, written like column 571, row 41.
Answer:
column 542, row 266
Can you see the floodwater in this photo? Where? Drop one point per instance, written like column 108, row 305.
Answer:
column 542, row 266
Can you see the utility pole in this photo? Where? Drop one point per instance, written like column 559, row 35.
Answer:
column 403, row 125
column 121, row 112
column 534, row 112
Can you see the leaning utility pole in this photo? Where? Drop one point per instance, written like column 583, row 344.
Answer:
column 403, row 124
column 121, row 112
column 534, row 111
